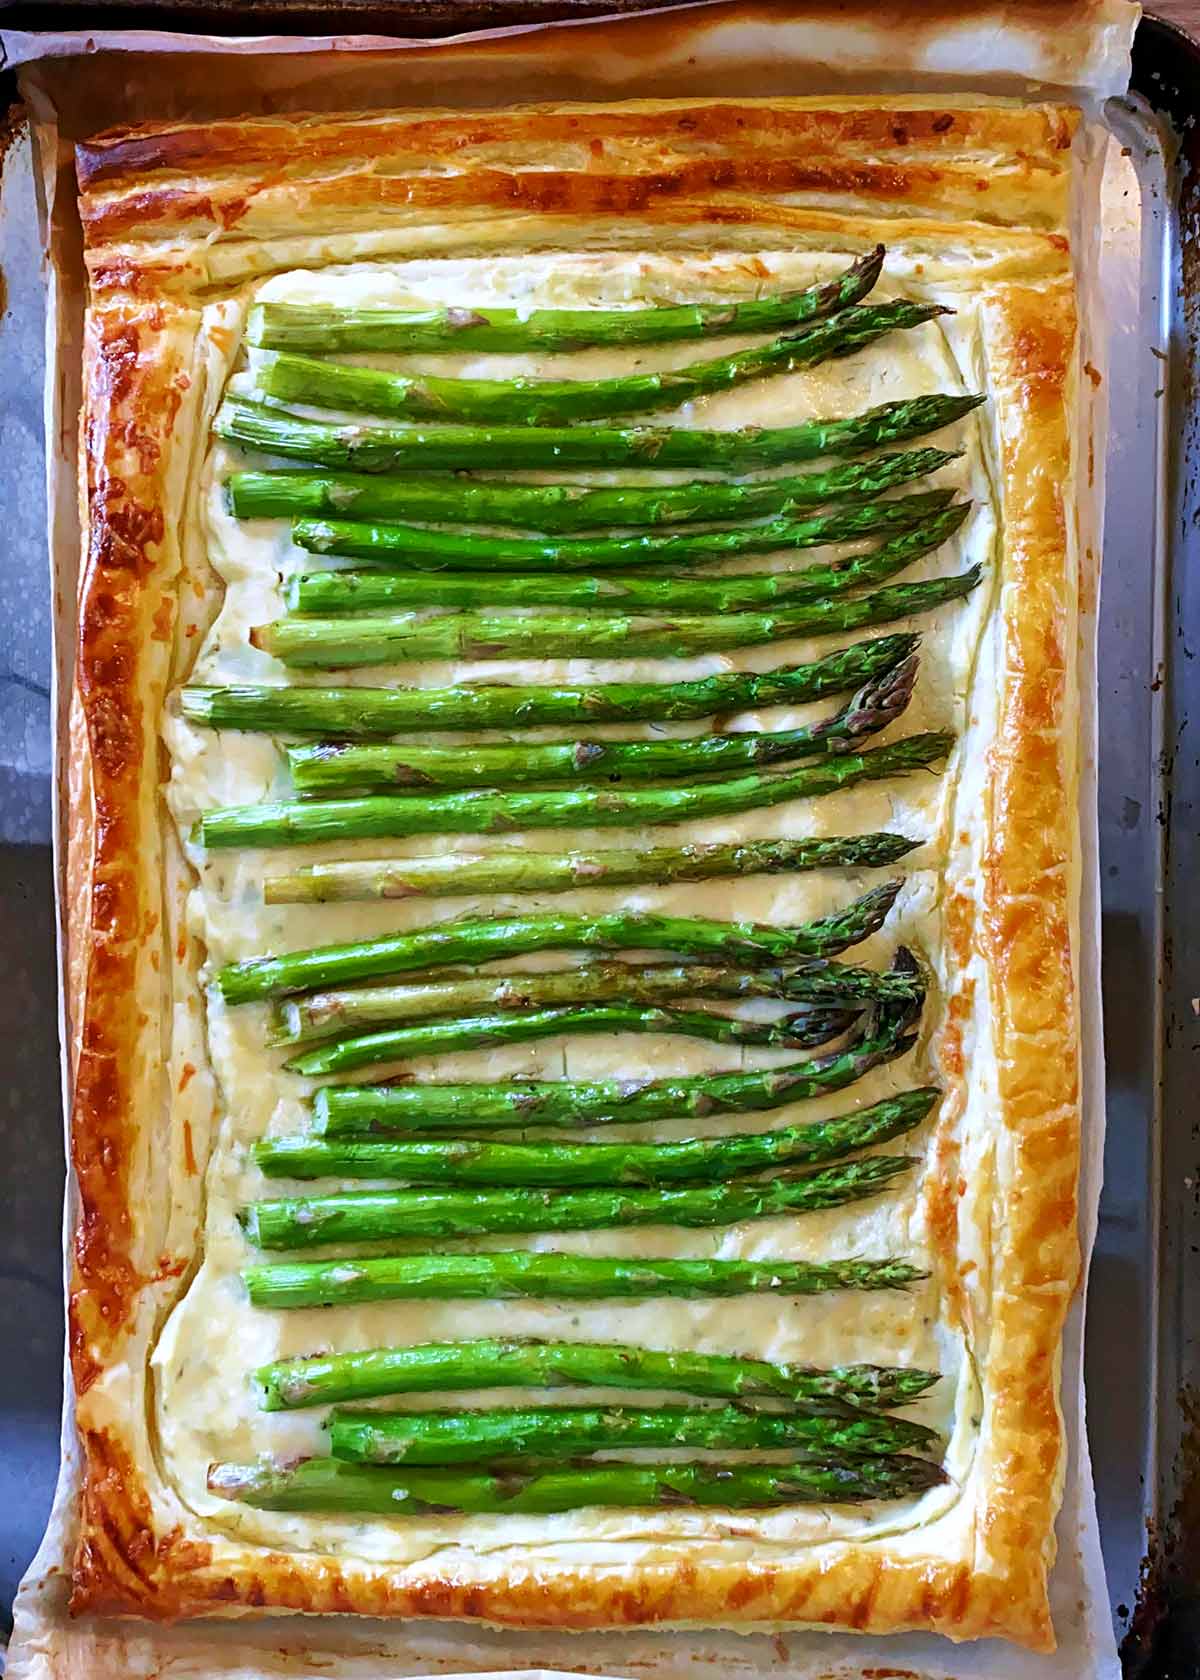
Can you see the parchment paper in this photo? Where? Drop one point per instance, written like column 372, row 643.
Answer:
column 78, row 83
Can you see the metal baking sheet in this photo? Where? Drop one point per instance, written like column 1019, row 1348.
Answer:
column 1144, row 1355
column 1144, row 1304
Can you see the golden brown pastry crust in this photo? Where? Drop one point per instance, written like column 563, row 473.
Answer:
column 175, row 215
column 162, row 213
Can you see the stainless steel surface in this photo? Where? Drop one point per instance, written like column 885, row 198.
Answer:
column 25, row 626
column 1136, row 255
column 1145, row 1286
column 1161, row 1242
column 31, row 1318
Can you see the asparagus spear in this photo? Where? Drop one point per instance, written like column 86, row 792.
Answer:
column 480, row 939
column 523, row 1275
column 326, row 1484
column 564, row 1432
column 372, row 447
column 320, row 327
column 459, row 873
column 390, row 711
column 521, row 401
column 404, row 638
column 342, row 1111
column 346, row 591
column 572, row 1165
column 368, row 1216
column 565, row 507
column 470, row 555
column 390, row 769
column 484, row 811
column 322, row 1014
column 486, row 1032
column 440, row 1367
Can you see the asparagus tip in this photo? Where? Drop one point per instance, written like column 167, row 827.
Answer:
column 879, row 702
column 882, row 898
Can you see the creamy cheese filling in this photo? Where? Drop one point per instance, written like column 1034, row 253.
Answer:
column 205, row 1404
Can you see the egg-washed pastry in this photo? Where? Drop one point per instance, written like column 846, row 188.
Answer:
column 574, row 865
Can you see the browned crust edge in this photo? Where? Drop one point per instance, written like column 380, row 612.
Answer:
column 1027, row 925
column 178, row 208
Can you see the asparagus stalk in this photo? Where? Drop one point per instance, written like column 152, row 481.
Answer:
column 524, row 1275
column 342, row 1111
column 483, row 811
column 372, row 447
column 565, row 1432
column 371, row 1216
column 359, row 712
column 347, row 591
column 440, row 1367
column 480, row 939
column 521, row 401
column 565, row 507
column 405, row 638
column 559, row 1166
column 327, row 1484
column 325, row 1013
column 390, row 769
column 471, row 556
column 485, row 1032
column 325, row 329
column 460, row 873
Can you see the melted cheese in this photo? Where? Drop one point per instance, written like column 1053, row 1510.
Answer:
column 205, row 1405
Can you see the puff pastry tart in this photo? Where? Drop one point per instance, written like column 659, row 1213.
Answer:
column 574, row 866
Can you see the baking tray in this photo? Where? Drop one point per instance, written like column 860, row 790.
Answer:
column 1143, row 1364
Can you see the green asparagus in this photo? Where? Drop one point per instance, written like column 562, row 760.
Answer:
column 565, row 507
column 373, row 447
column 481, row 939
column 405, row 638
column 390, row 769
column 558, row 1166
column 565, row 1432
column 327, row 1484
column 371, row 1216
column 454, row 874
column 523, row 401
column 441, row 1367
column 346, row 591
column 342, row 1111
column 326, row 1013
column 324, row 328
column 487, row 1032
column 433, row 551
column 357, row 712
column 484, row 811
column 523, row 1275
